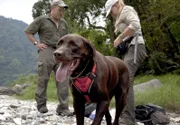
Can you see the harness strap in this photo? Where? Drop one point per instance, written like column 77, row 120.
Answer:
column 84, row 84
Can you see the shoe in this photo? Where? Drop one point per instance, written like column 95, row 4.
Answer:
column 43, row 109
column 65, row 112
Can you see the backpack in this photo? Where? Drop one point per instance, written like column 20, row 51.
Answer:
column 151, row 114
column 123, row 46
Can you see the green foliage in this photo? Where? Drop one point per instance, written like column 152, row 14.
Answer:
column 159, row 26
column 99, row 39
column 160, row 21
column 166, row 96
column 41, row 7
column 160, row 64
column 81, row 10
column 24, row 79
column 175, row 30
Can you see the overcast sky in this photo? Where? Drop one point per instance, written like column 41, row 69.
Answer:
column 22, row 10
column 17, row 9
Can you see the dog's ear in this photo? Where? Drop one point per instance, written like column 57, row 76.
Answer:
column 89, row 47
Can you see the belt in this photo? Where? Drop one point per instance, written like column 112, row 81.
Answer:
column 53, row 47
column 137, row 34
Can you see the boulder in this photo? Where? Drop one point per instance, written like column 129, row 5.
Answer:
column 16, row 89
column 6, row 91
column 154, row 83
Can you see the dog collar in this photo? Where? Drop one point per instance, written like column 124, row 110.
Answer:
column 71, row 78
column 83, row 84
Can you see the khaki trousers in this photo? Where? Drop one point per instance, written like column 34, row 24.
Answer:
column 46, row 65
column 128, row 114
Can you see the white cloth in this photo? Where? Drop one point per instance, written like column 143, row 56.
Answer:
column 129, row 18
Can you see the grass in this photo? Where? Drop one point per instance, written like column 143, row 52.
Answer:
column 29, row 93
column 166, row 96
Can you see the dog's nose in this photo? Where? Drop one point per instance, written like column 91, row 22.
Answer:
column 57, row 54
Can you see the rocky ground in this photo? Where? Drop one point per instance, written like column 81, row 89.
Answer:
column 18, row 112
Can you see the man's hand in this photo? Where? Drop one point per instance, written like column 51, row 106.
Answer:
column 41, row 46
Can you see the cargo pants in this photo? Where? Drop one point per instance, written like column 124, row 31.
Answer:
column 46, row 65
column 128, row 115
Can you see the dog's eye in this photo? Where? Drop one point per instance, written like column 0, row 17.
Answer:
column 60, row 42
column 84, row 55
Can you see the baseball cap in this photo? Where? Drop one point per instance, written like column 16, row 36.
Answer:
column 108, row 6
column 59, row 3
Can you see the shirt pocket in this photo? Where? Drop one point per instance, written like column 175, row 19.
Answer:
column 63, row 30
column 48, row 31
column 40, row 68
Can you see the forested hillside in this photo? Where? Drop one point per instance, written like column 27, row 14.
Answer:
column 17, row 54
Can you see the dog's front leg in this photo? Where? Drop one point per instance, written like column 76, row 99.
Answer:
column 101, row 109
column 79, row 108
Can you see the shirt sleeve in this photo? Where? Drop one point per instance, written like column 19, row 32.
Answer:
column 132, row 19
column 34, row 27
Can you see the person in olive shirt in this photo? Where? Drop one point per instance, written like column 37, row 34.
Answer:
column 50, row 29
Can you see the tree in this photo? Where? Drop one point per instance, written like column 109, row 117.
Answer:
column 159, row 20
column 40, row 8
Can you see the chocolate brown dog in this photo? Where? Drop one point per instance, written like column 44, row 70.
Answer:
column 93, row 78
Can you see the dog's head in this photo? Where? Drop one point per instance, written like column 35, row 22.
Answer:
column 72, row 52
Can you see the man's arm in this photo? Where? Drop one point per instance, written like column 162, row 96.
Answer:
column 31, row 37
column 35, row 42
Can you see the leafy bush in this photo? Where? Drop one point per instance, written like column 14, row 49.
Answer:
column 160, row 64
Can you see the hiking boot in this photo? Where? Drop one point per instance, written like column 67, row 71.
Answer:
column 65, row 112
column 42, row 109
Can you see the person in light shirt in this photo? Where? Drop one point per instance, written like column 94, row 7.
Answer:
column 128, row 24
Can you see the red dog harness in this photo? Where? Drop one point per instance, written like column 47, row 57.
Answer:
column 83, row 85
